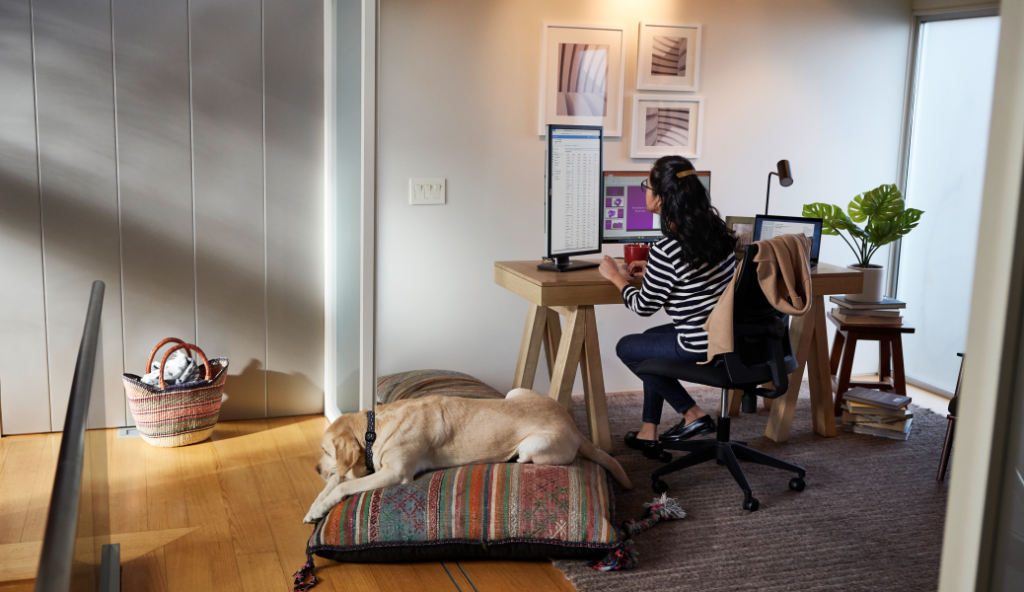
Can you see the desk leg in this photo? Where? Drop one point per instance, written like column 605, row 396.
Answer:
column 529, row 349
column 593, row 383
column 820, row 375
column 569, row 349
column 552, row 337
column 735, row 399
column 801, row 332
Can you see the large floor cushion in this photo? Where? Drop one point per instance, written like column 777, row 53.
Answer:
column 506, row 510
column 421, row 383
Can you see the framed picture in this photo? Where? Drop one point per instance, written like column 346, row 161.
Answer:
column 668, row 57
column 744, row 229
column 666, row 125
column 582, row 76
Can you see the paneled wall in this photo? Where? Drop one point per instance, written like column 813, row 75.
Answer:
column 174, row 150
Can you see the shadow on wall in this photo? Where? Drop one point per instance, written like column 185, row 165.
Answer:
column 245, row 392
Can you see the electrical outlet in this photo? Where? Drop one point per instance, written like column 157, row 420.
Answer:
column 426, row 191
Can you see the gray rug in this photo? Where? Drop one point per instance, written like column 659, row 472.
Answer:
column 871, row 517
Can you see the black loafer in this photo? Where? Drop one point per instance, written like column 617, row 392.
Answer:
column 684, row 431
column 650, row 448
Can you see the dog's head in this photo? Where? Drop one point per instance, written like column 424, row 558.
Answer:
column 343, row 452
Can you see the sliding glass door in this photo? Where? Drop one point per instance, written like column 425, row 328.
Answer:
column 952, row 105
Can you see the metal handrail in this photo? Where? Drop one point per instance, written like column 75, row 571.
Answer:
column 62, row 518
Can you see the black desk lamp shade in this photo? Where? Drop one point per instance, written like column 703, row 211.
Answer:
column 785, row 175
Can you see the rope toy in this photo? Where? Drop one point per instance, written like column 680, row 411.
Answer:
column 624, row 554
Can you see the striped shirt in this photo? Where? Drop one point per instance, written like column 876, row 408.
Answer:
column 688, row 294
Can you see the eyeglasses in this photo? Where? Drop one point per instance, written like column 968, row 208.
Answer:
column 643, row 185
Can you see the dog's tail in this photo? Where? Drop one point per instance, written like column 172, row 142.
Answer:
column 590, row 452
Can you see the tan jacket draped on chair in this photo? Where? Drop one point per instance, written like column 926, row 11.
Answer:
column 784, row 272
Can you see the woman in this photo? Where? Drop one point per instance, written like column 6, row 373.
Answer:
column 685, row 274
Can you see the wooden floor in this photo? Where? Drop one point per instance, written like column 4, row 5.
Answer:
column 225, row 514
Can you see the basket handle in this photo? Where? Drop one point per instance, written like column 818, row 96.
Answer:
column 187, row 346
column 152, row 354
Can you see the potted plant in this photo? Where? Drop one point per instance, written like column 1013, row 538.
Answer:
column 887, row 219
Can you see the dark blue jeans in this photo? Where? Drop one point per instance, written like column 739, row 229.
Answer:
column 658, row 343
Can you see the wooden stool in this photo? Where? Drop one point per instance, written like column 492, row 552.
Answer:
column 890, row 345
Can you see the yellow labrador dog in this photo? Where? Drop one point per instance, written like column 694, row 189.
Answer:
column 438, row 432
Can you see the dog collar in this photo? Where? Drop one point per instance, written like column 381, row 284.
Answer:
column 371, row 437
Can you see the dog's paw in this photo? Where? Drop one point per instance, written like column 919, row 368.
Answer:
column 314, row 516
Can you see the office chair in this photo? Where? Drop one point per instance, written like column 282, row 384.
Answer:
column 762, row 353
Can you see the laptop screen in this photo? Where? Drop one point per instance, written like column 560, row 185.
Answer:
column 768, row 227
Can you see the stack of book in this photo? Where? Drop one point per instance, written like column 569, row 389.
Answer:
column 886, row 312
column 867, row 411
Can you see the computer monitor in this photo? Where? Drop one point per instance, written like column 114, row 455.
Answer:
column 572, row 208
column 625, row 215
column 767, row 227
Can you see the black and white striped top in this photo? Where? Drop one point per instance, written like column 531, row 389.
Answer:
column 688, row 294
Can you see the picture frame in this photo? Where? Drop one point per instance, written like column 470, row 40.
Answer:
column 582, row 76
column 668, row 57
column 666, row 125
column 743, row 226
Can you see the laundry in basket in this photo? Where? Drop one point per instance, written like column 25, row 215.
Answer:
column 177, row 410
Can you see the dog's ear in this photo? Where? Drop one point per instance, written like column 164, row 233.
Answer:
column 348, row 455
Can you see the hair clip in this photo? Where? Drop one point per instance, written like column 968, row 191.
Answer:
column 686, row 173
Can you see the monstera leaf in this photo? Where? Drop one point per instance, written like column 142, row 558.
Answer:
column 882, row 203
column 884, row 210
column 833, row 218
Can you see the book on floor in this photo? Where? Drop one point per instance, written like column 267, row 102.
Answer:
column 852, row 320
column 899, row 426
column 886, row 303
column 865, row 312
column 873, row 418
column 865, row 396
column 883, row 433
column 871, row 410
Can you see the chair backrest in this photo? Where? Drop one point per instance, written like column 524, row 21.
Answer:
column 761, row 348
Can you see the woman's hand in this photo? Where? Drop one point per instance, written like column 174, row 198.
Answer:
column 609, row 270
column 637, row 269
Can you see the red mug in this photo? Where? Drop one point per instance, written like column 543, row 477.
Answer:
column 636, row 252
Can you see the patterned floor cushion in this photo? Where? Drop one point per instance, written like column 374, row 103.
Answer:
column 421, row 383
column 506, row 510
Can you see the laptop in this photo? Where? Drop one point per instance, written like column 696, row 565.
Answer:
column 768, row 227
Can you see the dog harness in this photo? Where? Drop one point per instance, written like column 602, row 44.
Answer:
column 371, row 437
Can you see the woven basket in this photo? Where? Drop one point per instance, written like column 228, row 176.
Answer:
column 177, row 415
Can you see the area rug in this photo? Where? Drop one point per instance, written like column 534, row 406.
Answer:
column 871, row 517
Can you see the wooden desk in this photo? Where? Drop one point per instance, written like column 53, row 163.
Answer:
column 574, row 295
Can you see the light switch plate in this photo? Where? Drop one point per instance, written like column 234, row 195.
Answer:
column 426, row 191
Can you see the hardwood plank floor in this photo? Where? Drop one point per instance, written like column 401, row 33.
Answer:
column 244, row 492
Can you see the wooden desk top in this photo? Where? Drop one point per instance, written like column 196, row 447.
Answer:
column 586, row 286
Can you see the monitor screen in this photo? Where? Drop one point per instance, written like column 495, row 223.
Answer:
column 624, row 213
column 574, row 190
column 769, row 227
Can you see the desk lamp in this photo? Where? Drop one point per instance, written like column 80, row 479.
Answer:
column 785, row 179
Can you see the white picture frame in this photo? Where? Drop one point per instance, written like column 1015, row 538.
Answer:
column 595, row 66
column 675, row 126
column 668, row 57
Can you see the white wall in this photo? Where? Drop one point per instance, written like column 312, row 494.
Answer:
column 819, row 83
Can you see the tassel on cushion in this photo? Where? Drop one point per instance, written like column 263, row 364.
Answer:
column 301, row 585
column 624, row 555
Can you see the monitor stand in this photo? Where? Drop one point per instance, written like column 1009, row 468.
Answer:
column 562, row 263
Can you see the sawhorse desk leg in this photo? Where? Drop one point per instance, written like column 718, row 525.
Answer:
column 808, row 333
column 566, row 348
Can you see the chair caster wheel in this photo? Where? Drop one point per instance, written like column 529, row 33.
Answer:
column 659, row 486
column 797, row 484
column 751, row 505
column 666, row 457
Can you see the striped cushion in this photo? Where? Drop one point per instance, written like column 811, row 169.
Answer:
column 420, row 383
column 505, row 510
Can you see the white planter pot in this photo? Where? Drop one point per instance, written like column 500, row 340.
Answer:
column 874, row 284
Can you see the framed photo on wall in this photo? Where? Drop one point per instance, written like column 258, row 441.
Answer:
column 668, row 57
column 582, row 75
column 665, row 125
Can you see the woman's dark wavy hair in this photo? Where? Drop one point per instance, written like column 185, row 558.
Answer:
column 687, row 214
